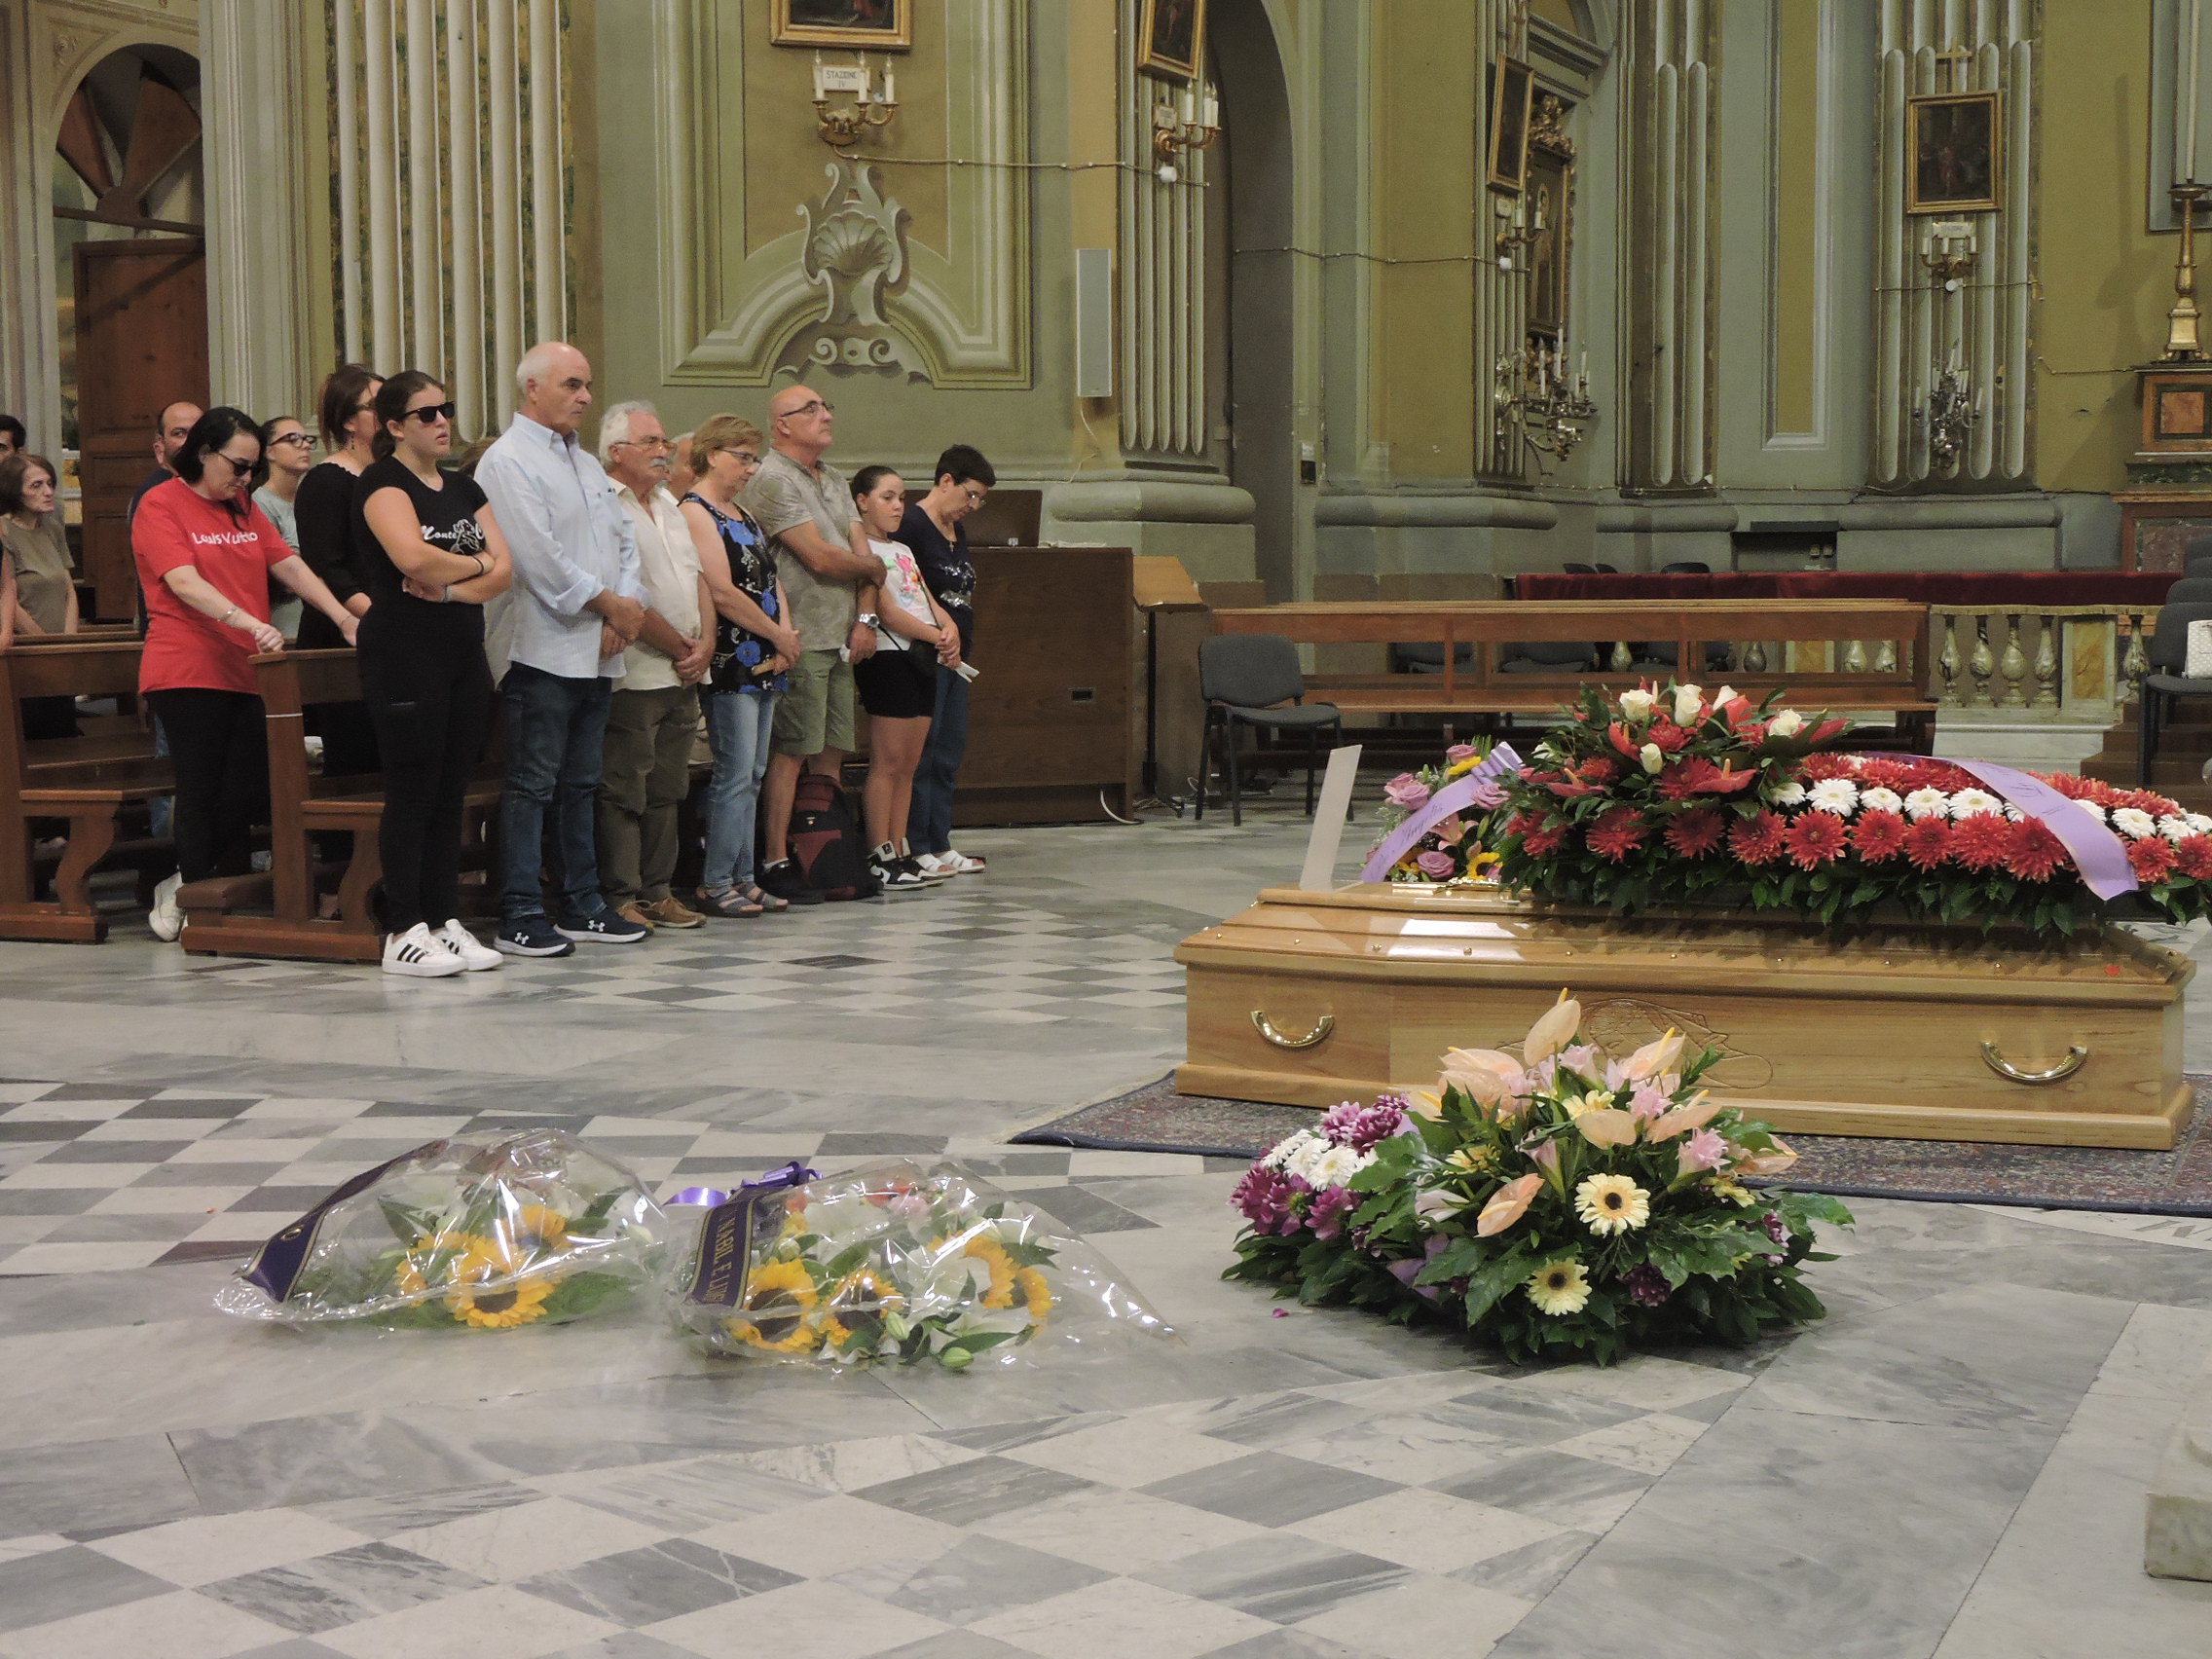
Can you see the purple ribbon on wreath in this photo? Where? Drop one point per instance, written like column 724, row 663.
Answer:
column 1453, row 797
column 2097, row 853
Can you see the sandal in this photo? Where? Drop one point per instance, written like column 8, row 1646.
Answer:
column 730, row 902
column 764, row 900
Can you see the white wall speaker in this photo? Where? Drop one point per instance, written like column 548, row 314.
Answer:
column 1094, row 322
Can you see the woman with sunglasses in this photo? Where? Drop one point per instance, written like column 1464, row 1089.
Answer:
column 204, row 555
column 430, row 552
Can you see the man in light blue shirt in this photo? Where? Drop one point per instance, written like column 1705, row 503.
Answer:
column 577, row 602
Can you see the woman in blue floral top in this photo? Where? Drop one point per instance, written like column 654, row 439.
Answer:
column 754, row 644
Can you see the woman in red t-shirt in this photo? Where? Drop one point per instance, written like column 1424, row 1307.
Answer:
column 206, row 554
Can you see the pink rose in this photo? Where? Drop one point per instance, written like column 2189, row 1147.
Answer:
column 1488, row 795
column 1406, row 793
column 1458, row 752
column 1436, row 866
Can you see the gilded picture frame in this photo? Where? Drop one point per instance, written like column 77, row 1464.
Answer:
column 1954, row 147
column 852, row 26
column 1548, row 188
column 1512, row 90
column 1171, row 39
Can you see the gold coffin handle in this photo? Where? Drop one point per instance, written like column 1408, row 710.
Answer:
column 2012, row 1073
column 1313, row 1039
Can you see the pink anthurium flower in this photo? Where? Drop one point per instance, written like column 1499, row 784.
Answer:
column 1683, row 1119
column 1507, row 1205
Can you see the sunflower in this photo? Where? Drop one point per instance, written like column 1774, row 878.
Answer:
column 1034, row 1293
column 1559, row 1287
column 992, row 1254
column 500, row 1307
column 436, row 1261
column 536, row 1231
column 864, row 1290
column 778, row 1297
column 1612, row 1204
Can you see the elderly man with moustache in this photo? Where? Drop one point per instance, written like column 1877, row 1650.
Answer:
column 654, row 718
column 805, row 506
column 578, row 604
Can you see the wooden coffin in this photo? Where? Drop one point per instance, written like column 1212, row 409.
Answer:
column 1912, row 1031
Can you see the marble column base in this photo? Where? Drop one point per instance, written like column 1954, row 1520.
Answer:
column 2177, row 1530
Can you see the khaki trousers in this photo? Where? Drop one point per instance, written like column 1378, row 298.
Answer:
column 642, row 781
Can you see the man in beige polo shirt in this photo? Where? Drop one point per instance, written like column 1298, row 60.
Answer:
column 654, row 714
column 805, row 506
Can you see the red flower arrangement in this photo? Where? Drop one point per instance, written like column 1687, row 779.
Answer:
column 1664, row 796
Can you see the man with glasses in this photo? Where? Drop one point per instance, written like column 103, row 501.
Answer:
column 578, row 604
column 805, row 505
column 654, row 718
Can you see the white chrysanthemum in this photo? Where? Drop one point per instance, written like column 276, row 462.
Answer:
column 2014, row 814
column 2092, row 809
column 1287, row 1150
column 1880, row 800
column 1336, row 1165
column 1834, row 794
column 2175, row 828
column 1791, row 793
column 1927, row 804
column 2135, row 821
column 1972, row 804
column 2198, row 824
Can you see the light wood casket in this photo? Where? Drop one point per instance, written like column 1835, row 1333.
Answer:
column 1912, row 1031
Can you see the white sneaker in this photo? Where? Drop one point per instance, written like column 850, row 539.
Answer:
column 959, row 863
column 475, row 955
column 166, row 917
column 420, row 954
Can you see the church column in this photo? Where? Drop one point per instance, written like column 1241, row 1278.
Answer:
column 29, row 372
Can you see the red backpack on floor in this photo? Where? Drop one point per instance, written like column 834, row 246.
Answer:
column 825, row 841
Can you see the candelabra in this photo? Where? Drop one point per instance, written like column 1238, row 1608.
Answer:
column 842, row 128
column 1949, row 412
column 1531, row 388
column 1194, row 126
column 1514, row 230
column 1948, row 248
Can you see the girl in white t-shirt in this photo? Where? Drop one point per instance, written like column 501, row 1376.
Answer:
column 898, row 681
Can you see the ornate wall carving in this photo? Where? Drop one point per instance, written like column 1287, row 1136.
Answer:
column 852, row 287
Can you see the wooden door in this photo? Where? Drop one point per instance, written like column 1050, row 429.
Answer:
column 142, row 345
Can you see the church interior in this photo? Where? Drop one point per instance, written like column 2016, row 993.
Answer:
column 1422, row 458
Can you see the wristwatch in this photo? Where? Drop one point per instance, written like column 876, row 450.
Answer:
column 868, row 619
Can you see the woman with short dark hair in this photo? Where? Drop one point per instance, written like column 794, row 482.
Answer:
column 933, row 530
column 323, row 512
column 205, row 554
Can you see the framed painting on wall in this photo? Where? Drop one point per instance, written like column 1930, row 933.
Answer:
column 1512, row 85
column 1171, row 39
column 1954, row 153
column 1549, row 188
column 856, row 26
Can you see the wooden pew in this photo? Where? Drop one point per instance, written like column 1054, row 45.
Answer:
column 1479, row 687
column 88, row 780
column 222, row 916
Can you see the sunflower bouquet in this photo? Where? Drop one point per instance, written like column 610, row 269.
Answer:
column 1560, row 1203
column 475, row 1233
column 896, row 1263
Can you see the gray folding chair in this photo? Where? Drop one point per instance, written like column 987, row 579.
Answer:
column 2170, row 656
column 1247, row 679
column 2193, row 590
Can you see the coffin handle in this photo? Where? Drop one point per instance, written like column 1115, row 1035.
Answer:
column 1282, row 1040
column 2012, row 1073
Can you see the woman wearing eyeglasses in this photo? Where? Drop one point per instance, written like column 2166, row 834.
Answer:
column 289, row 452
column 323, row 509
column 430, row 552
column 205, row 554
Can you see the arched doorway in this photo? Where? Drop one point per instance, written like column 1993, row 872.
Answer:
column 130, row 282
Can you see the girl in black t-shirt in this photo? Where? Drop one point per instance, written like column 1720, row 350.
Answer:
column 430, row 553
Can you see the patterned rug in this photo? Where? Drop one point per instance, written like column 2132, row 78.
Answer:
column 1157, row 1119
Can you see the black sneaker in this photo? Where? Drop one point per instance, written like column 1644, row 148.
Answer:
column 609, row 927
column 531, row 936
column 782, row 878
column 894, row 873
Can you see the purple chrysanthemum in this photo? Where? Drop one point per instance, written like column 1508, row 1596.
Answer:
column 1265, row 1198
column 1364, row 1127
column 1326, row 1214
column 1647, row 1284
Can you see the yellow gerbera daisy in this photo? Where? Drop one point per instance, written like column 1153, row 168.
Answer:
column 1461, row 768
column 1035, row 1294
column 778, row 1297
column 1612, row 1204
column 993, row 1256
column 1559, row 1287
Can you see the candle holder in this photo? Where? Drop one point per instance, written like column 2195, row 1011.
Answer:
column 1950, row 412
column 842, row 128
column 2183, row 345
column 1947, row 249
column 1195, row 127
column 1514, row 230
column 1531, row 388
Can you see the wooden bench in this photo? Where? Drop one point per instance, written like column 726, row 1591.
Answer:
column 88, row 780
column 223, row 916
column 1892, row 681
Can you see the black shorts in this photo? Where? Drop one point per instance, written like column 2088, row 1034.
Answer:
column 894, row 685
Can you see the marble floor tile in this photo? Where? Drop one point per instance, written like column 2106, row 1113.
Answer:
column 1429, row 1530
column 89, row 1485
column 502, row 1621
column 1421, row 1618
column 55, row 1584
column 973, row 1490
column 1646, row 1445
column 1269, row 1488
column 1280, row 1578
column 848, row 1465
column 956, row 1644
column 344, row 1587
column 803, row 1621
column 523, row 1539
column 685, row 1496
column 1127, row 1451
column 1534, row 1571
column 625, row 1644
column 178, row 1625
column 210, row 1547
column 1120, row 1618
column 1553, row 1486
column 1121, row 1531
column 816, row 1540
column 974, row 1579
column 645, row 1586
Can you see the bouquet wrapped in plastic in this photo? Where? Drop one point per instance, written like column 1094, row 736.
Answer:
column 479, row 1232
column 898, row 1263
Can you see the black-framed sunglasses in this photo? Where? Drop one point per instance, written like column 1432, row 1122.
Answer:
column 232, row 461
column 430, row 413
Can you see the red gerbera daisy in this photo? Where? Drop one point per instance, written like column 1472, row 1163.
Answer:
column 2071, row 784
column 2033, row 852
column 1877, row 773
column 1758, row 840
column 1877, row 837
column 1695, row 833
column 1816, row 838
column 1980, row 841
column 1617, row 834
column 1817, row 767
column 2153, row 858
column 2192, row 854
column 1521, row 823
column 1542, row 843
column 1928, row 843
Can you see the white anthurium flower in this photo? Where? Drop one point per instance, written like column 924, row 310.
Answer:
column 1837, row 796
column 1724, row 696
column 1880, row 800
column 1927, row 804
column 2134, row 823
column 1791, row 793
column 1975, row 803
column 2175, row 828
column 1652, row 759
column 1435, row 1205
column 1786, row 722
column 1637, row 704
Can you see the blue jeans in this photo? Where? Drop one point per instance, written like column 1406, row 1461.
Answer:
column 738, row 727
column 556, row 727
column 929, row 818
